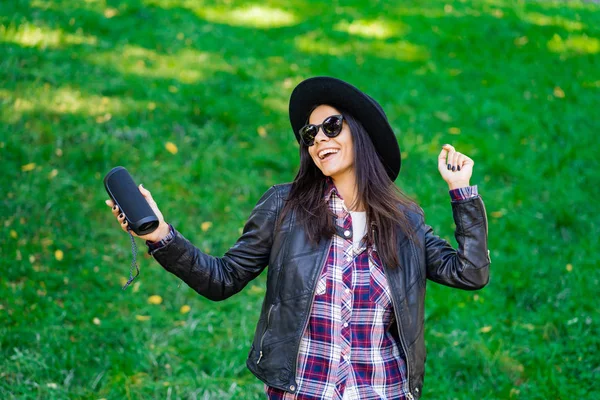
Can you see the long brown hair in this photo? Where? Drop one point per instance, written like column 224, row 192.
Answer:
column 384, row 202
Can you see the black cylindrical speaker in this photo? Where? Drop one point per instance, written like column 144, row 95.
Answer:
column 126, row 195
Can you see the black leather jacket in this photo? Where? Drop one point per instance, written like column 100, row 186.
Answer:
column 294, row 266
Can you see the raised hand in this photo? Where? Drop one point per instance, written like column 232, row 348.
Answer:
column 456, row 168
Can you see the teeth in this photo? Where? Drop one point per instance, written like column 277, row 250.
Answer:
column 323, row 153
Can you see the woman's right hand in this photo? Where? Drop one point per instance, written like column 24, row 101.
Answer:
column 160, row 232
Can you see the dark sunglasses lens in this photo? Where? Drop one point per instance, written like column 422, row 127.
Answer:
column 332, row 126
column 308, row 134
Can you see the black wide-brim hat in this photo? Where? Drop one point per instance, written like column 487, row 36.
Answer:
column 339, row 94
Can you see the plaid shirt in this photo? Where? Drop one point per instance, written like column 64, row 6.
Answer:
column 347, row 351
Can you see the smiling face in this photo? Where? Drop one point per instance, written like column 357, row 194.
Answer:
column 333, row 156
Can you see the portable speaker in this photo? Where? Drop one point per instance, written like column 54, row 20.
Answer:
column 124, row 192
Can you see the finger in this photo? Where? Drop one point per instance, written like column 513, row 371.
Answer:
column 454, row 161
column 460, row 161
column 115, row 210
column 442, row 158
column 451, row 153
column 109, row 203
column 146, row 193
column 124, row 225
column 121, row 217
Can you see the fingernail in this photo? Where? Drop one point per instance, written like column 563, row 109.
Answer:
column 453, row 168
column 124, row 222
column 449, row 166
column 121, row 215
column 114, row 207
column 458, row 168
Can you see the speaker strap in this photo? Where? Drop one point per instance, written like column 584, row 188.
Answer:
column 133, row 261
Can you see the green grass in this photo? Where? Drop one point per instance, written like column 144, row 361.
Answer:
column 86, row 86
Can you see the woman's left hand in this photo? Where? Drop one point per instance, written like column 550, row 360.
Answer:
column 456, row 168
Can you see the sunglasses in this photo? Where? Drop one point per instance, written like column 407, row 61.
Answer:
column 331, row 126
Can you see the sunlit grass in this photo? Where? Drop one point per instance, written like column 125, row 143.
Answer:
column 39, row 36
column 256, row 16
column 574, row 44
column 186, row 65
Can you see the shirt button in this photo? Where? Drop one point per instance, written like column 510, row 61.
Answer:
column 349, row 258
column 347, row 291
column 292, row 388
column 347, row 233
column 345, row 324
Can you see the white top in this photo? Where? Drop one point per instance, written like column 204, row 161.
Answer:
column 359, row 226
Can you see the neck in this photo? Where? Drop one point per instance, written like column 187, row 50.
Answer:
column 346, row 186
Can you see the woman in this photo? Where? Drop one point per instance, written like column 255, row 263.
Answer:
column 348, row 256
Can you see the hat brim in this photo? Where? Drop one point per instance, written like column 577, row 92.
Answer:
column 339, row 94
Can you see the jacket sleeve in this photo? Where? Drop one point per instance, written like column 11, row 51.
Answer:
column 468, row 267
column 218, row 278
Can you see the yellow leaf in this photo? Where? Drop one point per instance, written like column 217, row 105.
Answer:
column 185, row 309
column 558, row 92
column 454, row 131
column 443, row 116
column 53, row 174
column 110, row 12
column 262, row 132
column 206, row 226
column 28, row 167
column 485, row 329
column 171, row 148
column 13, row 234
column 59, row 255
column 96, row 321
column 521, row 41
column 155, row 299
column 569, row 267
column 142, row 317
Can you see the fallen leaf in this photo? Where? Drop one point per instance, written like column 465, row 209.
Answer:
column 155, row 299
column 521, row 41
column 13, row 234
column 28, row 167
column 485, row 329
column 59, row 255
column 142, row 317
column 569, row 267
column 173, row 89
column 206, row 226
column 96, row 321
column 442, row 116
column 171, row 148
column 558, row 92
column 262, row 132
column 53, row 174
column 110, row 12
column 454, row 131
column 185, row 309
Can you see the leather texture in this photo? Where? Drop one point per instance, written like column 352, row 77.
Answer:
column 294, row 267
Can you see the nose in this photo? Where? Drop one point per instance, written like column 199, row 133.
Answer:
column 321, row 136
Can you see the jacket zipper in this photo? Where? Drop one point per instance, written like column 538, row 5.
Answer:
column 312, row 300
column 260, row 354
column 409, row 395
